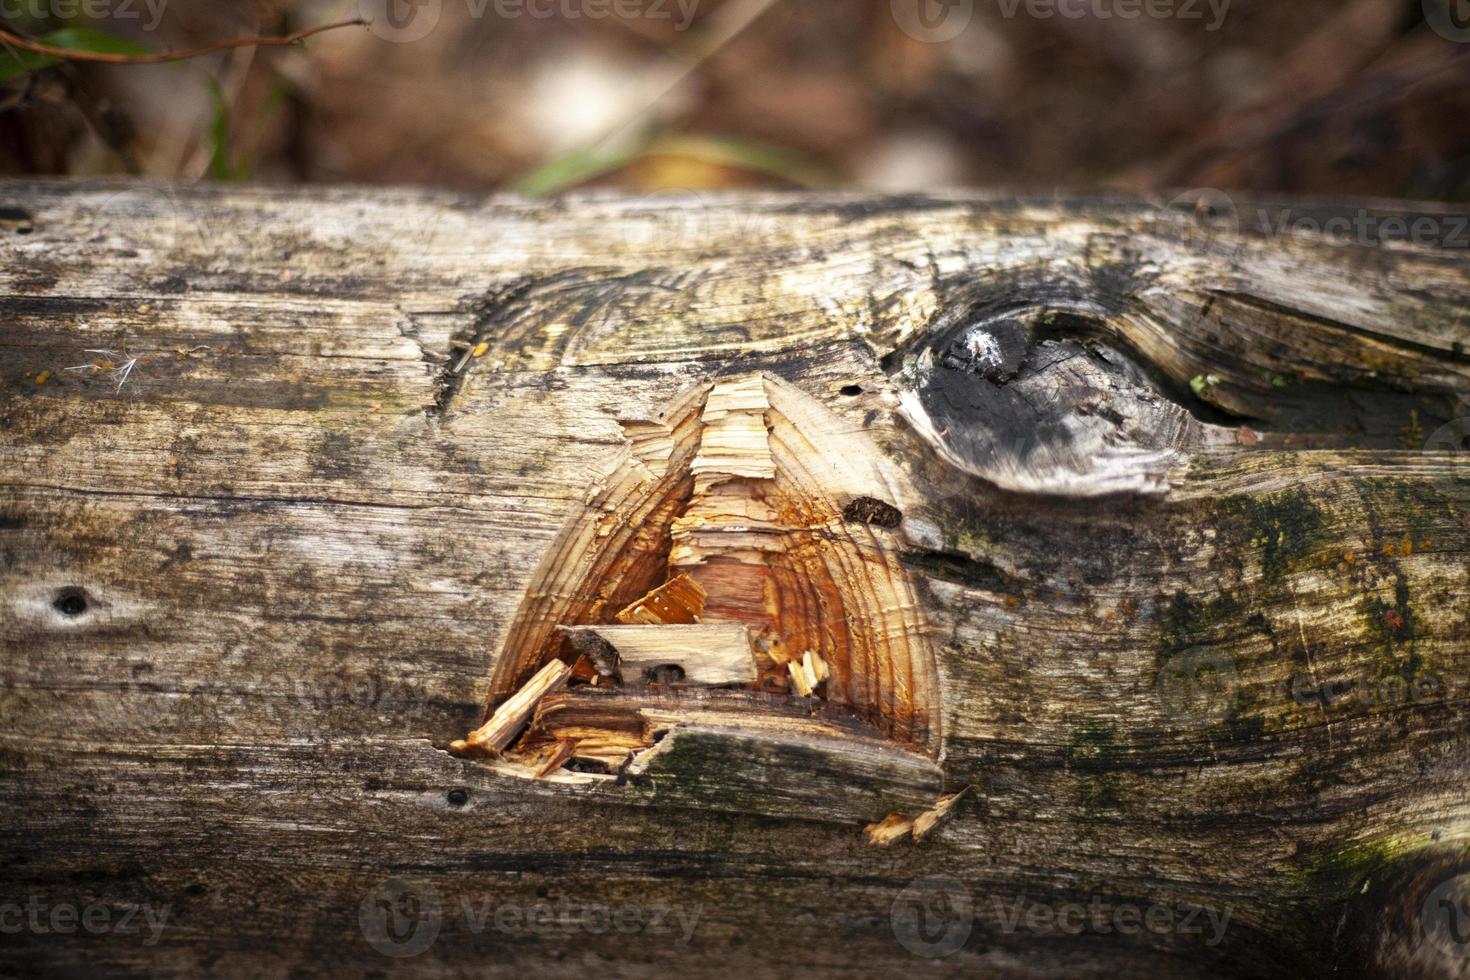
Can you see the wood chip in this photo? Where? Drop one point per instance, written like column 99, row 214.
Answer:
column 896, row 826
column 734, row 442
column 492, row 737
column 805, row 676
column 560, row 756
column 929, row 819
column 679, row 600
column 889, row 829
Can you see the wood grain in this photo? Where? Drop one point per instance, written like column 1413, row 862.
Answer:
column 1198, row 601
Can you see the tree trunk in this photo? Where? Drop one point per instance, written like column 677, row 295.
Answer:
column 1114, row 519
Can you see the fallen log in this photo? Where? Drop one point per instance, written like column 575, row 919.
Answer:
column 1132, row 544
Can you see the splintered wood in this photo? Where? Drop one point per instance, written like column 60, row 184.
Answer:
column 808, row 674
column 733, row 443
column 896, row 826
column 679, row 600
column 731, row 514
column 506, row 723
column 711, row 654
column 591, row 730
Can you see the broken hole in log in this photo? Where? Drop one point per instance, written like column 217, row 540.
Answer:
column 70, row 601
column 730, row 547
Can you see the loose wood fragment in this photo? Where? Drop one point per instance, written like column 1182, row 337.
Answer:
column 929, row 819
column 708, row 653
column 561, row 754
column 594, row 650
column 896, row 826
column 889, row 829
column 679, row 600
column 492, row 737
column 808, row 674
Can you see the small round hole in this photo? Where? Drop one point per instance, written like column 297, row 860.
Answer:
column 70, row 602
column 458, row 797
column 851, row 391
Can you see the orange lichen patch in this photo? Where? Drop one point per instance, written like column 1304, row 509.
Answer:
column 731, row 508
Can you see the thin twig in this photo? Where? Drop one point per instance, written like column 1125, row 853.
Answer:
column 71, row 54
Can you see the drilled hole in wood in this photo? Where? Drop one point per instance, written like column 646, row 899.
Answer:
column 735, row 561
column 70, row 602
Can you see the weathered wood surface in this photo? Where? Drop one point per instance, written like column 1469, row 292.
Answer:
column 249, row 594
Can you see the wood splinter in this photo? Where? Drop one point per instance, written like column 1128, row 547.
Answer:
column 680, row 600
column 896, row 826
column 491, row 738
column 808, row 674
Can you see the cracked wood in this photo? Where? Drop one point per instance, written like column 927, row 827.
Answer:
column 299, row 533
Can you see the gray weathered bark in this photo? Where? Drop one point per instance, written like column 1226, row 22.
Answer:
column 1193, row 596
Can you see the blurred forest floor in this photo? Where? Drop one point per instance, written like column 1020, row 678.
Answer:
column 1326, row 98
